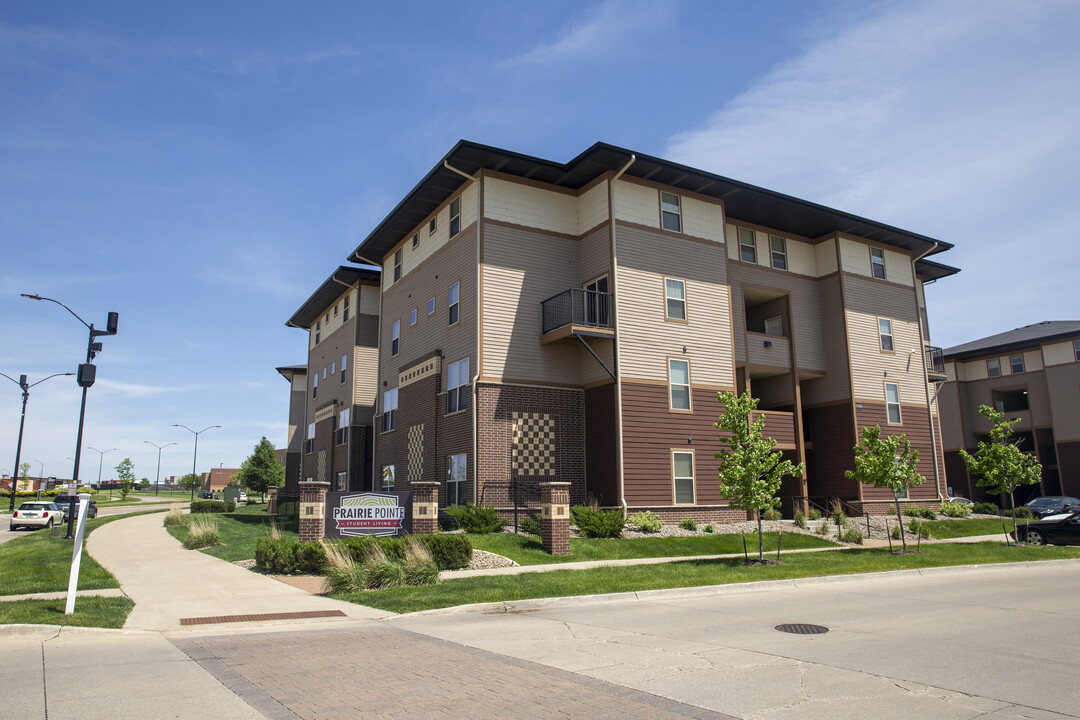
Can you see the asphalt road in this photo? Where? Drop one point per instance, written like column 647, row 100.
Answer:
column 149, row 503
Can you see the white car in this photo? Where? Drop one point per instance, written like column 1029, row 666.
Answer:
column 243, row 497
column 36, row 514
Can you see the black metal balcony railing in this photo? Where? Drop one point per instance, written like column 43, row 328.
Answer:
column 576, row 307
column 935, row 360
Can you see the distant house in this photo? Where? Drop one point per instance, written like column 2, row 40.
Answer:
column 1031, row 373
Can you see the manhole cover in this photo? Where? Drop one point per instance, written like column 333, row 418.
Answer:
column 802, row 629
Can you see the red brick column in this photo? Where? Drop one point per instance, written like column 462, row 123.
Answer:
column 271, row 500
column 555, row 517
column 312, row 505
column 425, row 508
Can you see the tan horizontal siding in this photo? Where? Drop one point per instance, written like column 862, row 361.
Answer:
column 866, row 301
column 836, row 383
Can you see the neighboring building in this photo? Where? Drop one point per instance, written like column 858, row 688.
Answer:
column 1031, row 373
column 541, row 321
column 341, row 319
column 218, row 478
column 292, row 455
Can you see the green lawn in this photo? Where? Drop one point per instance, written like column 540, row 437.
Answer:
column 526, row 549
column 949, row 529
column 89, row 612
column 239, row 531
column 691, row 573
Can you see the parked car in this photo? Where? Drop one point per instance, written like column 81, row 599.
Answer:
column 1052, row 505
column 36, row 514
column 961, row 500
column 1062, row 529
column 206, row 495
column 243, row 497
column 65, row 506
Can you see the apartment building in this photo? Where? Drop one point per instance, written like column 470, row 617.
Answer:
column 292, row 455
column 574, row 322
column 1032, row 374
column 337, row 386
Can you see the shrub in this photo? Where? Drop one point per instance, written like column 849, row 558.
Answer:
column 202, row 533
column 530, row 525
column 646, row 521
column 956, row 510
column 853, row 536
column 916, row 527
column 289, row 557
column 476, row 519
column 212, row 506
column 689, row 524
column 1022, row 512
column 924, row 513
column 813, row 514
column 985, row 508
column 800, row 519
column 174, row 517
column 771, row 514
column 595, row 523
column 709, row 529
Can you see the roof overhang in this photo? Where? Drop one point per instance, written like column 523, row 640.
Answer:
column 929, row 270
column 290, row 371
column 742, row 201
column 1008, row 347
column 333, row 288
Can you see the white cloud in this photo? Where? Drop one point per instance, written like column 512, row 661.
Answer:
column 957, row 120
column 602, row 26
column 134, row 390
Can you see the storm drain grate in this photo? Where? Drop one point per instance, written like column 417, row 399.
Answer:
column 263, row 617
column 802, row 629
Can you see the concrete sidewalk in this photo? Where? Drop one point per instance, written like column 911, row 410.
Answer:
column 169, row 583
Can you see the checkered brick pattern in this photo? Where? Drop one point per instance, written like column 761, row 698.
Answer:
column 534, row 444
column 416, row 453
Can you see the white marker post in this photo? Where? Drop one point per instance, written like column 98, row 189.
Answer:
column 76, row 553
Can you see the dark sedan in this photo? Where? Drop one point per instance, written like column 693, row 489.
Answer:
column 1061, row 529
column 63, row 502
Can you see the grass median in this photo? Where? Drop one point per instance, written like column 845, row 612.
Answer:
column 692, row 573
column 99, row 612
column 239, row 531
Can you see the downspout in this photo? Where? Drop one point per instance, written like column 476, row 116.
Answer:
column 479, row 326
column 926, row 379
column 378, row 373
column 618, row 335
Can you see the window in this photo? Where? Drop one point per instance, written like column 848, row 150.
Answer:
column 885, row 334
column 333, row 368
column 455, row 216
column 454, row 291
column 675, row 295
column 388, row 477
column 344, row 361
column 877, row 262
column 345, row 310
column 993, row 367
column 342, row 481
column 456, row 472
column 318, row 331
column 892, row 402
column 416, row 241
column 335, row 310
column 597, row 302
column 395, row 338
column 1017, row 363
column 412, row 318
column 670, row 212
column 457, row 386
column 679, row 383
column 315, row 386
column 324, row 373
column 327, row 319
column 389, row 404
column 431, row 306
column 343, row 427
column 775, row 326
column 309, row 441
column 747, row 248
column 1076, row 349
column 397, row 264
column 779, row 252
column 682, row 471
column 431, row 227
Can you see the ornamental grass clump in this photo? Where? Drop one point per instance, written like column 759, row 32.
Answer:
column 202, row 533
column 343, row 574
column 174, row 517
column 420, row 567
column 379, row 571
column 689, row 524
column 646, row 521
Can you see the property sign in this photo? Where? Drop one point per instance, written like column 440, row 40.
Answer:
column 349, row 514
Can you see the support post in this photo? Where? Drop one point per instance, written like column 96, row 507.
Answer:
column 425, row 508
column 312, row 510
column 555, row 517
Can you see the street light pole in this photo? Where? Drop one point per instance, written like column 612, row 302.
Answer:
column 101, row 457
column 87, row 372
column 194, row 457
column 22, row 383
column 157, row 480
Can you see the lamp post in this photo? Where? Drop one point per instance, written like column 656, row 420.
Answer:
column 157, row 480
column 22, row 383
column 101, row 456
column 87, row 372
column 194, row 457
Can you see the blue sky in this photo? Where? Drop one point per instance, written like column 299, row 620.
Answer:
column 202, row 167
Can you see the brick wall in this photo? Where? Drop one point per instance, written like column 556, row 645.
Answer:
column 698, row 513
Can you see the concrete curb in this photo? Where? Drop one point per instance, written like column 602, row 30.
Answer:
column 516, row 606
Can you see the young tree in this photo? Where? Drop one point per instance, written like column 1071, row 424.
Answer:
column 1000, row 465
column 125, row 473
column 261, row 470
column 189, row 481
column 24, row 478
column 887, row 461
column 750, row 469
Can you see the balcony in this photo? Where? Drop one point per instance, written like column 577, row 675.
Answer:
column 576, row 313
column 935, row 364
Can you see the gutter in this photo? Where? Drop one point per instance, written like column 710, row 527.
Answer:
column 618, row 335
column 926, row 379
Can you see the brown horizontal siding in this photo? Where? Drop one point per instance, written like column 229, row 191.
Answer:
column 780, row 427
column 1069, row 466
column 831, row 433
column 916, row 425
column 601, row 460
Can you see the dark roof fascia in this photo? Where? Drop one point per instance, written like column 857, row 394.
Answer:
column 331, row 289
column 743, row 201
column 930, row 270
column 289, row 371
column 1007, row 347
